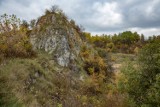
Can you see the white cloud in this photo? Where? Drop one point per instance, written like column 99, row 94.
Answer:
column 146, row 31
column 102, row 16
column 28, row 11
column 106, row 14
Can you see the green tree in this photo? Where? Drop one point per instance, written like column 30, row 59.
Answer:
column 142, row 38
column 142, row 83
column 32, row 23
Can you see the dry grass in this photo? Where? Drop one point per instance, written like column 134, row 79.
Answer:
column 40, row 82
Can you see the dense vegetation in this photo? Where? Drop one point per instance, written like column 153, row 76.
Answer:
column 125, row 42
column 14, row 41
column 141, row 80
column 34, row 79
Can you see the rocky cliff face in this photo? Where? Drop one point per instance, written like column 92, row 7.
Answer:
column 57, row 36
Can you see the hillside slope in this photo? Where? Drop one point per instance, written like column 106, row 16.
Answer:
column 66, row 71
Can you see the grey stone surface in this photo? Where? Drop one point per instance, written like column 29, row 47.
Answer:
column 61, row 40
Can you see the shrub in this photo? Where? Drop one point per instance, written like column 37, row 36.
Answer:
column 141, row 83
column 14, row 41
column 93, row 63
column 102, row 52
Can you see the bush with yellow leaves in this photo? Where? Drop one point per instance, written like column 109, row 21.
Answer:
column 14, row 41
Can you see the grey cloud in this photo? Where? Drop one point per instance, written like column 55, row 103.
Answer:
column 142, row 14
column 95, row 15
column 25, row 9
column 133, row 13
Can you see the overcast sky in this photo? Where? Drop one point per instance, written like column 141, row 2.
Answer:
column 97, row 16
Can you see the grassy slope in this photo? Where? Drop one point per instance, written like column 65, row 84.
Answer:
column 37, row 82
column 119, row 59
column 23, row 81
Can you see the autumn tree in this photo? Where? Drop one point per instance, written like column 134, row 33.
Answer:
column 14, row 41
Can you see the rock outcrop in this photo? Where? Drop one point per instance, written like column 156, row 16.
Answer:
column 57, row 36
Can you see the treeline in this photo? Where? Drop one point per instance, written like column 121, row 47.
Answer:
column 125, row 42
